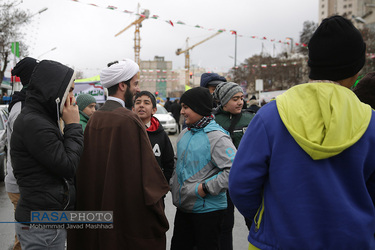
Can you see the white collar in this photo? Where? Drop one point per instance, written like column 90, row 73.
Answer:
column 112, row 98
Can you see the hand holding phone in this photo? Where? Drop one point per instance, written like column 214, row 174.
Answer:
column 70, row 111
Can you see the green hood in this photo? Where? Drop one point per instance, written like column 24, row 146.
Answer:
column 323, row 118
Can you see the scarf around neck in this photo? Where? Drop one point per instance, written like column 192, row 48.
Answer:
column 201, row 123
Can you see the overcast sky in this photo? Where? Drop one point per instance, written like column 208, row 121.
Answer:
column 84, row 35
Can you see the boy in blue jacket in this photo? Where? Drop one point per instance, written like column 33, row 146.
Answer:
column 200, row 180
column 305, row 168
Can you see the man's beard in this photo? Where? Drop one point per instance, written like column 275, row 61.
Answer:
column 128, row 98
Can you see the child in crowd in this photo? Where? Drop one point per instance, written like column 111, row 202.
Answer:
column 86, row 104
column 145, row 108
column 204, row 156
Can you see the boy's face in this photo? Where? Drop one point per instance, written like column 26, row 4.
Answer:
column 234, row 106
column 90, row 109
column 143, row 108
column 190, row 116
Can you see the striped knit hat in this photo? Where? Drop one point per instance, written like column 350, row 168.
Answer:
column 225, row 91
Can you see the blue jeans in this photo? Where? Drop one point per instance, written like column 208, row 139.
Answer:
column 34, row 238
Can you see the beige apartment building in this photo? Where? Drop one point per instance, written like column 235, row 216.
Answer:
column 158, row 76
column 360, row 12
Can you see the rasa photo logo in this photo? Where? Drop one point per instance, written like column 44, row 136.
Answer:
column 72, row 219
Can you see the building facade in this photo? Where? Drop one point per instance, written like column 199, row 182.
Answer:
column 360, row 12
column 158, row 76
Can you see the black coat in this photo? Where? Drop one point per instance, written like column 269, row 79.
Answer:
column 168, row 105
column 176, row 109
column 44, row 159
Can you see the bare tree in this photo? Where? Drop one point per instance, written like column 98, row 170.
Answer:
column 308, row 30
column 369, row 38
column 11, row 19
column 277, row 73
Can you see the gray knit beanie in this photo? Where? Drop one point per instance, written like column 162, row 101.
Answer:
column 225, row 91
column 84, row 100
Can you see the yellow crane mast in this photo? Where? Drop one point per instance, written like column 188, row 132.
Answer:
column 137, row 36
column 187, row 55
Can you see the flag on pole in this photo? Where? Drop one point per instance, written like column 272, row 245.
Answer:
column 16, row 49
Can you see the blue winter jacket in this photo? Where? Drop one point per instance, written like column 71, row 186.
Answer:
column 305, row 171
column 203, row 155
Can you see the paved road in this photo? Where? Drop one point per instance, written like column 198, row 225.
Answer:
column 7, row 229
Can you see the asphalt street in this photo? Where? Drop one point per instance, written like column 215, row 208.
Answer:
column 240, row 231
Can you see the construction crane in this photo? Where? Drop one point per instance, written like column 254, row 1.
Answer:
column 187, row 55
column 137, row 36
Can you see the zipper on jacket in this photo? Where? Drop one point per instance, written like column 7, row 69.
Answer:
column 183, row 164
column 258, row 216
column 67, row 193
column 204, row 202
column 58, row 113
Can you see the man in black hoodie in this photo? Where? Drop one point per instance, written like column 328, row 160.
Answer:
column 145, row 108
column 44, row 158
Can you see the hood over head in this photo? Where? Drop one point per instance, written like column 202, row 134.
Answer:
column 49, row 87
column 323, row 118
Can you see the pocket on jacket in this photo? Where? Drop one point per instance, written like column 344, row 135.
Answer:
column 188, row 196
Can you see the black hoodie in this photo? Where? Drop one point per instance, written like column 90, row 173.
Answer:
column 162, row 147
column 44, row 159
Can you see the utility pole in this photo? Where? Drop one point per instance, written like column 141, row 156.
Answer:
column 235, row 51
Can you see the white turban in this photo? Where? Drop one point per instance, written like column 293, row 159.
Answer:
column 118, row 72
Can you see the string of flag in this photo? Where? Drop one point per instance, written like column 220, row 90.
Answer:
column 179, row 22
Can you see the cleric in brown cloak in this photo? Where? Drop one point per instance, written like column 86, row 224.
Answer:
column 118, row 172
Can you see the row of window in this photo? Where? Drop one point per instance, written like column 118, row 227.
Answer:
column 349, row 13
column 345, row 6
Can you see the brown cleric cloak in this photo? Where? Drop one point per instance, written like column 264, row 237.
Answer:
column 118, row 172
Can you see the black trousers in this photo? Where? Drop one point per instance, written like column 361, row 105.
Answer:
column 226, row 236
column 201, row 231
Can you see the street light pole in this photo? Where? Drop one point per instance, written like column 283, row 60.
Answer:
column 39, row 12
column 235, row 51
column 46, row 52
column 291, row 44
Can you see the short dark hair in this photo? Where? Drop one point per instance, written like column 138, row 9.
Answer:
column 113, row 89
column 146, row 93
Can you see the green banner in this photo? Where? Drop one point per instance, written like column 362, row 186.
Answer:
column 16, row 49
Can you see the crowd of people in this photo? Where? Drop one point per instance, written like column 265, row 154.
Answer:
column 301, row 169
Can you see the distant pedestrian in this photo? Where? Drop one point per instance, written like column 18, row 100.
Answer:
column 199, row 183
column 176, row 109
column 210, row 81
column 168, row 105
column 253, row 105
column 365, row 89
column 87, row 106
column 44, row 158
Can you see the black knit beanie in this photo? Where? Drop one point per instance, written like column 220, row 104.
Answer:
column 199, row 100
column 336, row 50
column 24, row 69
